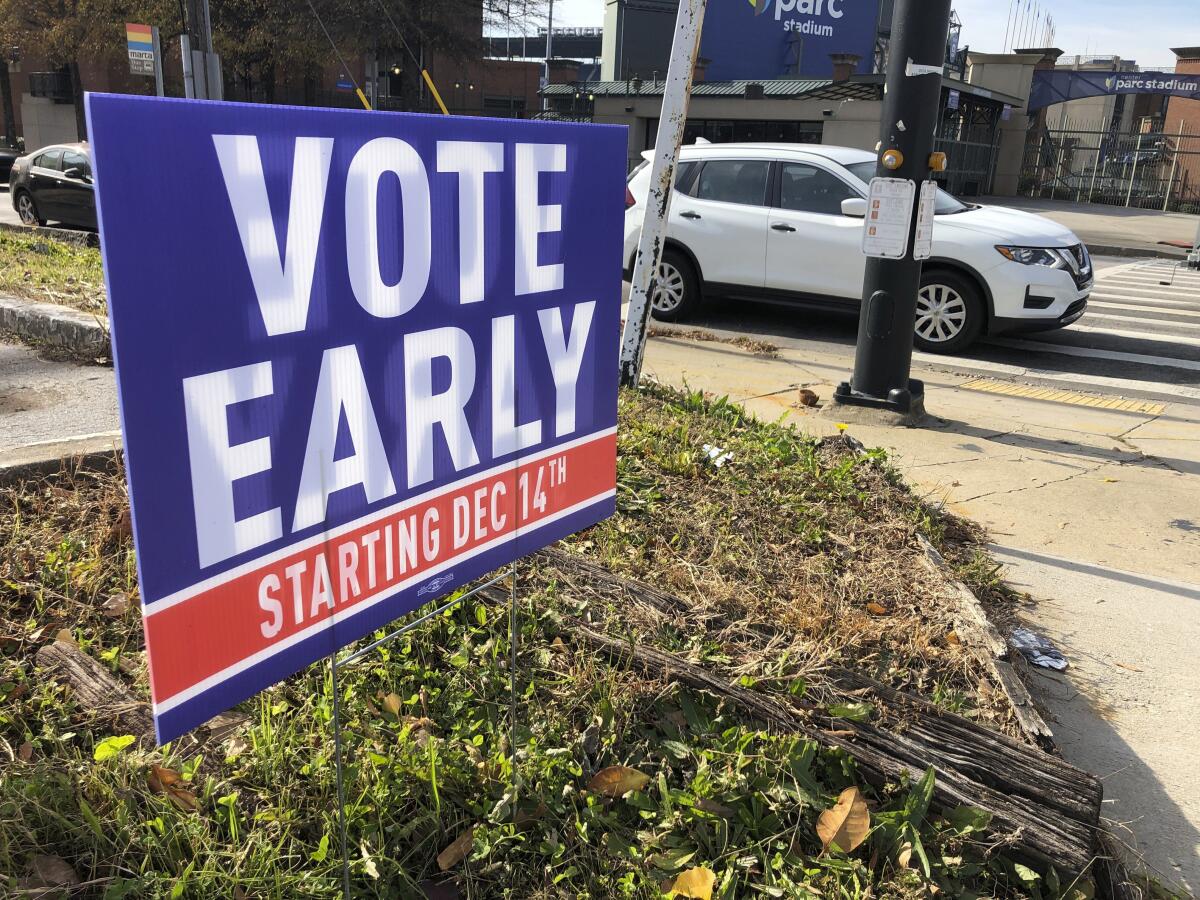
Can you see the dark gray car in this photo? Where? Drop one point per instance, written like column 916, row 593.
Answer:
column 54, row 184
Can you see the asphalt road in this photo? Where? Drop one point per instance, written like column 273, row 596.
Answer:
column 1139, row 338
column 44, row 400
column 7, row 213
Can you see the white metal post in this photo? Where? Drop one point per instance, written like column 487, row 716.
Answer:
column 1174, row 163
column 1133, row 174
column 549, row 54
column 185, row 55
column 1095, row 168
column 677, row 90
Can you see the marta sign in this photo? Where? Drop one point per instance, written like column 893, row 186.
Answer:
column 363, row 358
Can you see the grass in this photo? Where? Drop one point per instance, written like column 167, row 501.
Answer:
column 51, row 271
column 793, row 555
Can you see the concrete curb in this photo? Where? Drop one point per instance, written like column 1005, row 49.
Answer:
column 1136, row 252
column 67, row 235
column 980, row 636
column 57, row 326
column 99, row 451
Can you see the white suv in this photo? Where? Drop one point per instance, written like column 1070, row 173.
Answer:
column 784, row 222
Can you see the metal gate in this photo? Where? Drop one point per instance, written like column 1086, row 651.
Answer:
column 1144, row 170
column 969, row 135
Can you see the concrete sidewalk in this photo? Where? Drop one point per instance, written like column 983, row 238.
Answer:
column 1112, row 230
column 1112, row 492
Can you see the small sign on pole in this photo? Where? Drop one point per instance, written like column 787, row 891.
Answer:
column 361, row 361
column 141, row 43
column 926, row 208
column 889, row 215
column 145, row 56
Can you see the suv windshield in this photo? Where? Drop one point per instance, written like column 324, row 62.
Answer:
column 945, row 205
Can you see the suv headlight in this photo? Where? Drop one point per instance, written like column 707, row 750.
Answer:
column 1033, row 256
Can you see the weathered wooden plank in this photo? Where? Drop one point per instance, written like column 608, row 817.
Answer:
column 989, row 647
column 106, row 698
column 1040, row 833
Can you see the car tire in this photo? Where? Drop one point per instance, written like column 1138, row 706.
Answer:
column 676, row 289
column 28, row 210
column 951, row 312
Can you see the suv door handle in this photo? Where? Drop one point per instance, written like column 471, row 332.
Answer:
column 782, row 226
column 689, row 215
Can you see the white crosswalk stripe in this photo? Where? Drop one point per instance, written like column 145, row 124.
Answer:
column 1142, row 325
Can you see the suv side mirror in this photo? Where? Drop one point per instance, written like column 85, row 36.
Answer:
column 854, row 207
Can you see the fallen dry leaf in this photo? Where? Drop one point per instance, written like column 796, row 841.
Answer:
column 171, row 783
column 392, row 704
column 877, row 609
column 617, row 781
column 457, row 851
column 807, row 397
column 847, row 823
column 953, row 638
column 25, row 752
column 51, row 871
column 123, row 527
column 116, row 605
column 235, row 747
column 368, row 862
column 696, row 882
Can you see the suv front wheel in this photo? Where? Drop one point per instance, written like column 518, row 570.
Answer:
column 950, row 312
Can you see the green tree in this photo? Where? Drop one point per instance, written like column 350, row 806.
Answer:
column 63, row 32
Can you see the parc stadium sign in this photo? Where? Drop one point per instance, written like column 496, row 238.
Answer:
column 363, row 358
column 1058, row 86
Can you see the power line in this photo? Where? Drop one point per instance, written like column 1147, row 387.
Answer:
column 424, row 72
column 338, row 54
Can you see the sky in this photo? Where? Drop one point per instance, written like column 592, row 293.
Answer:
column 1142, row 30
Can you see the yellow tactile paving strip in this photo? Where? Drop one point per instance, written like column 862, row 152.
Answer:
column 1053, row 395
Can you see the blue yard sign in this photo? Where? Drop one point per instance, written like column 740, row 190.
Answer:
column 363, row 358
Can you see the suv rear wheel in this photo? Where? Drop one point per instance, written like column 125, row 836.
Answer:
column 676, row 289
column 950, row 312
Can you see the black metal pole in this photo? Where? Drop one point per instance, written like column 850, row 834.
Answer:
column 911, row 106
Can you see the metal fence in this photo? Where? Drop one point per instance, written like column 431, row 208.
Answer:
column 969, row 135
column 1143, row 170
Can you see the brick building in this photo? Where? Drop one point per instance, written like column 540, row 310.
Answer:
column 1185, row 112
column 44, row 110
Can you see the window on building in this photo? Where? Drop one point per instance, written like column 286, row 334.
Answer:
column 806, row 188
column 734, row 181
column 504, row 107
